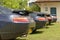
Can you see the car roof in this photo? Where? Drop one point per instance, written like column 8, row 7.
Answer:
column 5, row 10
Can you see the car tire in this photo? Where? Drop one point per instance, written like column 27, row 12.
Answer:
column 49, row 22
column 34, row 30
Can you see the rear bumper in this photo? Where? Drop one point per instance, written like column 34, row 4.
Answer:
column 40, row 24
column 11, row 30
column 54, row 20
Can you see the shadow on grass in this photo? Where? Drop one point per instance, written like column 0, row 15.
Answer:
column 50, row 24
column 37, row 32
column 46, row 27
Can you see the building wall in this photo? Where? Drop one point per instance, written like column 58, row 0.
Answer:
column 45, row 7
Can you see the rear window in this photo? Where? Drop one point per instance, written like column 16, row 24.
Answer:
column 48, row 15
column 24, row 13
column 53, row 14
column 41, row 15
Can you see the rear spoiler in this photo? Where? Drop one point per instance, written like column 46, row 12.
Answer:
column 25, row 12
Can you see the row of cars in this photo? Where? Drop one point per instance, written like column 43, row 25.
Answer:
column 21, row 22
column 39, row 19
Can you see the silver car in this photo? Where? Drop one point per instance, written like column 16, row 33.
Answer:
column 25, row 13
column 39, row 19
column 12, row 25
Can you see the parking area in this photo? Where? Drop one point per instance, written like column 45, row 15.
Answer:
column 51, row 32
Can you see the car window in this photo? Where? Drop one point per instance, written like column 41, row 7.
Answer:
column 48, row 15
column 22, row 13
column 53, row 14
column 41, row 15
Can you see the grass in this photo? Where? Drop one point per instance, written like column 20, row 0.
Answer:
column 51, row 32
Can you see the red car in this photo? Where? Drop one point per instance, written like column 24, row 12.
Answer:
column 49, row 18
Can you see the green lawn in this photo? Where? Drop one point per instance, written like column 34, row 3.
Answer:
column 52, row 32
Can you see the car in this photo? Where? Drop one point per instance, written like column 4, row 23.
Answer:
column 25, row 13
column 12, row 25
column 54, row 18
column 39, row 19
column 49, row 18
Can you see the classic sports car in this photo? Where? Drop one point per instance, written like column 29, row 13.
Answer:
column 12, row 25
column 54, row 17
column 25, row 13
column 49, row 18
column 39, row 19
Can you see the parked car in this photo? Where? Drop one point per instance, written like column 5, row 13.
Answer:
column 12, row 25
column 54, row 17
column 49, row 18
column 25, row 13
column 39, row 19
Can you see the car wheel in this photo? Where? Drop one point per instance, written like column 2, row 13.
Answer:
column 49, row 22
column 34, row 30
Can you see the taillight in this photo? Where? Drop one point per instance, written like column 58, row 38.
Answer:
column 55, row 17
column 42, row 19
column 49, row 17
column 17, row 20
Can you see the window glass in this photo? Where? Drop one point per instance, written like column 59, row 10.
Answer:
column 41, row 15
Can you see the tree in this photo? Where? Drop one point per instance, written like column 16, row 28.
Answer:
column 23, row 4
column 14, row 4
column 33, row 7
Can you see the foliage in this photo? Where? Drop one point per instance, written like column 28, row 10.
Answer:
column 14, row 4
column 19, row 4
column 35, row 7
column 28, row 8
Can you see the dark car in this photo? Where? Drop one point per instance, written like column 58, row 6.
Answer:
column 25, row 13
column 54, row 17
column 12, row 25
column 39, row 19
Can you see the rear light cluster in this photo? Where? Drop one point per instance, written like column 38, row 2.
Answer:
column 55, row 17
column 20, row 19
column 48, row 17
column 41, row 19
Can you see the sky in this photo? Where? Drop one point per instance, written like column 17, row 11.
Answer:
column 32, row 0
